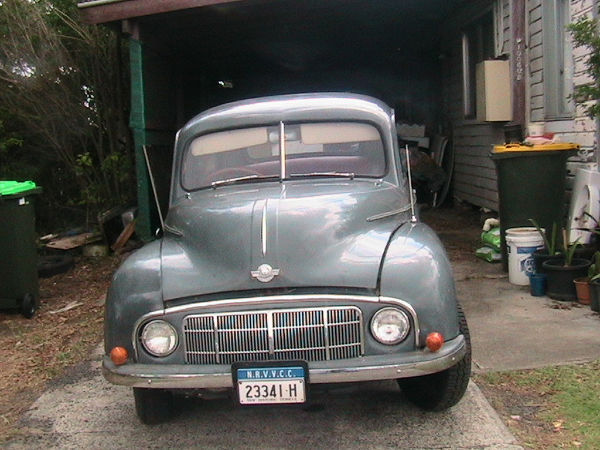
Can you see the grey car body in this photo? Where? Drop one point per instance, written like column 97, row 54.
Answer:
column 324, row 241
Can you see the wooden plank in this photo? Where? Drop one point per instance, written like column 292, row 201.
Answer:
column 67, row 243
column 477, row 172
column 484, row 143
column 112, row 12
column 477, row 129
column 481, row 197
column 535, row 40
column 482, row 183
column 468, row 189
column 124, row 237
column 518, row 60
column 467, row 150
column 477, row 161
column 536, row 65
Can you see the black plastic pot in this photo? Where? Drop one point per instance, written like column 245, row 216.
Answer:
column 540, row 256
column 586, row 251
column 595, row 288
column 560, row 278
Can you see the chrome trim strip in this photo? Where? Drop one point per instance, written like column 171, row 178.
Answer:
column 279, row 299
column 326, row 324
column 263, row 229
column 270, row 334
column 174, row 231
column 388, row 214
column 172, row 377
column 282, row 149
column 216, row 336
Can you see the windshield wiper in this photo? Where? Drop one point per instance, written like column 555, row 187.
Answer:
column 324, row 174
column 214, row 184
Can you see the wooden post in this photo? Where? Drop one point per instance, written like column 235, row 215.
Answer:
column 518, row 61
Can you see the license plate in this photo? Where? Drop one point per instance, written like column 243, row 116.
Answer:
column 271, row 384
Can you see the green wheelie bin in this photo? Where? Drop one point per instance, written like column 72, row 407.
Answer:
column 531, row 185
column 18, row 254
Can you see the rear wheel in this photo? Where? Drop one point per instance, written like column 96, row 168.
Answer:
column 442, row 390
column 153, row 406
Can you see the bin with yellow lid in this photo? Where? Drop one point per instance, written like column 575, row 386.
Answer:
column 531, row 185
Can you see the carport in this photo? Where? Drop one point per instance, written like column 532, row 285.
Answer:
column 186, row 56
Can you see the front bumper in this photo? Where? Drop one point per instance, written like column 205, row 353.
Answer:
column 368, row 368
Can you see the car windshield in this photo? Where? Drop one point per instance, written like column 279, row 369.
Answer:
column 327, row 149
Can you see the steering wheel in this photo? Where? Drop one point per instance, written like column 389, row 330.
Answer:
column 234, row 172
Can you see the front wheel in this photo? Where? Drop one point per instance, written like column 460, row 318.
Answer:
column 442, row 390
column 153, row 406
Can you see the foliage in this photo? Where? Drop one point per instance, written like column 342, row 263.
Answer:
column 594, row 269
column 570, row 404
column 569, row 250
column 549, row 244
column 64, row 86
column 585, row 34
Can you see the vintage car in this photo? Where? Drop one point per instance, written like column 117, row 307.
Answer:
column 291, row 256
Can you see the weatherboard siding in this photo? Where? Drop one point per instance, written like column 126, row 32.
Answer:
column 474, row 179
column 578, row 127
column 474, row 172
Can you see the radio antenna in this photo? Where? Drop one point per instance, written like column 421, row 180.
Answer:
column 413, row 218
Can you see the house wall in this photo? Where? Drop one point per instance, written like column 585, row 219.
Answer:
column 474, row 172
column 579, row 128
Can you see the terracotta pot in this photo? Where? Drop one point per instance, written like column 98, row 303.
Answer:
column 584, row 292
column 560, row 284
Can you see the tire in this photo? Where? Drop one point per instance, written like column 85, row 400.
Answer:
column 53, row 265
column 442, row 390
column 28, row 306
column 153, row 406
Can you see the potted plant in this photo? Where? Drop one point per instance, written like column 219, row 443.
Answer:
column 550, row 250
column 594, row 276
column 586, row 34
column 563, row 270
column 583, row 285
column 588, row 250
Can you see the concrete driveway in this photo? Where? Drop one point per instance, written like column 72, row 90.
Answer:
column 84, row 411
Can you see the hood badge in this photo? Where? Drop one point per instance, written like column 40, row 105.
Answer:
column 264, row 273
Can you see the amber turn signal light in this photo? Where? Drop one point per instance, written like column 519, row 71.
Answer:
column 434, row 341
column 119, row 356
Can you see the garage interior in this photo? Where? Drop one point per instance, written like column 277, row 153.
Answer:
column 185, row 61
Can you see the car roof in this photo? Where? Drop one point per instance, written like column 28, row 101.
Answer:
column 290, row 108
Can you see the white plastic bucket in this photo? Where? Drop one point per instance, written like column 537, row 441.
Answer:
column 520, row 245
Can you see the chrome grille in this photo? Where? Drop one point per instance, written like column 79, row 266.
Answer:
column 311, row 334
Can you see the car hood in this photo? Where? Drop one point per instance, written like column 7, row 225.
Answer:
column 218, row 239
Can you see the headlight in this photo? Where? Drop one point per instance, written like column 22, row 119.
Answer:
column 159, row 338
column 390, row 325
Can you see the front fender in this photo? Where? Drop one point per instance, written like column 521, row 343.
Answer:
column 135, row 290
column 416, row 269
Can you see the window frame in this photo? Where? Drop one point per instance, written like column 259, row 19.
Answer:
column 473, row 51
column 557, row 61
column 283, row 176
